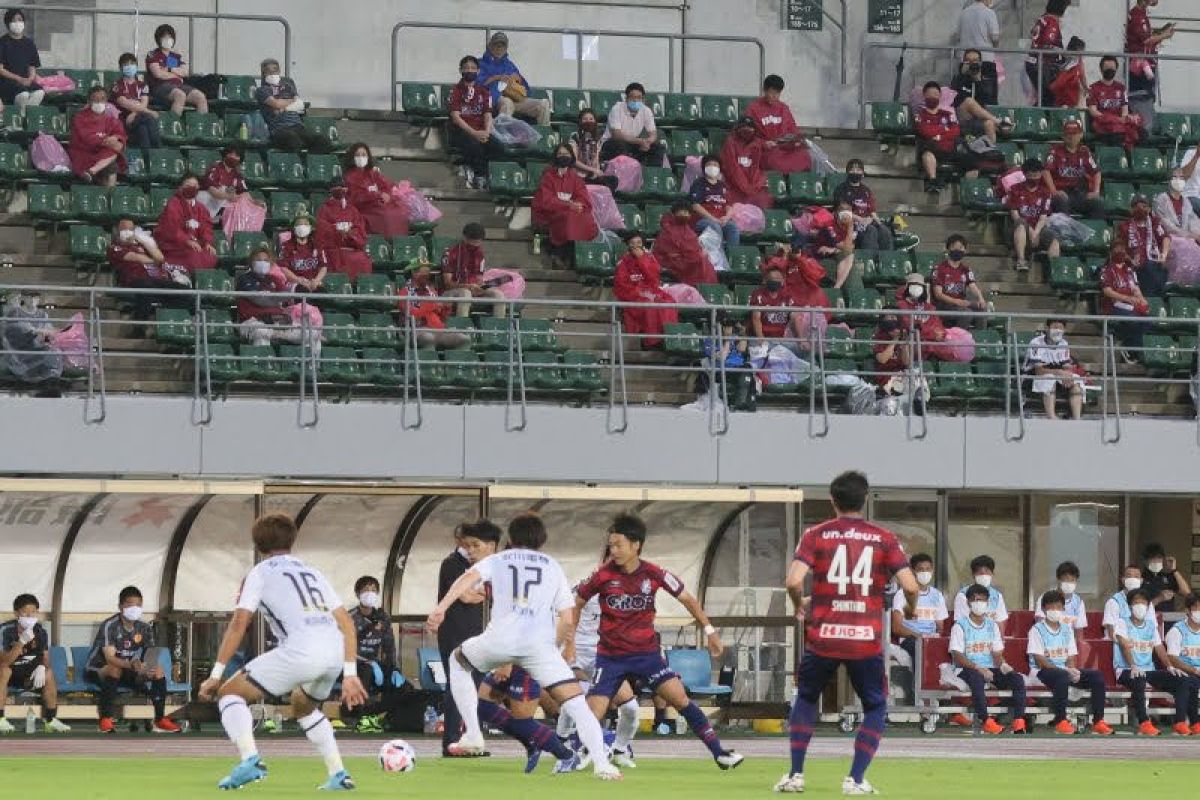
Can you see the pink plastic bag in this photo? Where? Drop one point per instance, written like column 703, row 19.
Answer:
column 56, row 83
column 692, row 169
column 1183, row 264
column 73, row 343
column 627, row 171
column 299, row 312
column 748, row 218
column 809, row 324
column 959, row 345
column 419, row 207
column 811, row 219
column 510, row 282
column 242, row 214
column 684, row 294
column 604, row 208
column 48, row 155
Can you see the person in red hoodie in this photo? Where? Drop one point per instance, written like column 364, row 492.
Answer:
column 742, row 166
column 342, row 234
column 371, row 194
column 185, row 231
column 914, row 296
column 677, row 247
column 639, row 280
column 1108, row 105
column 1028, row 205
column 429, row 317
column 303, row 263
column 1120, row 296
column 462, row 272
column 1070, row 85
column 97, row 146
column 563, row 205
column 774, row 322
column 802, row 277
column 224, row 182
column 784, row 148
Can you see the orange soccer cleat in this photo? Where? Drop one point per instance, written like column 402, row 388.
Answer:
column 1018, row 726
column 962, row 720
column 166, row 725
column 1102, row 728
column 107, row 725
column 1182, row 729
column 1147, row 729
column 1064, row 727
column 993, row 727
column 1196, row 729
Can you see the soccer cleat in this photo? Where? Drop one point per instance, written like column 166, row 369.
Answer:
column 622, row 757
column 1181, row 729
column 337, row 724
column 962, row 720
column 1019, row 726
column 248, row 770
column 466, row 748
column 56, row 725
column 608, row 773
column 1196, row 729
column 1147, row 729
column 1102, row 728
column 991, row 726
column 338, row 782
column 532, row 757
column 792, row 783
column 6, row 726
column 166, row 725
column 729, row 759
column 1064, row 727
column 567, row 765
column 854, row 789
column 663, row 729
column 108, row 725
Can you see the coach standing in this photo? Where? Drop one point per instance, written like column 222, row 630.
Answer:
column 464, row 619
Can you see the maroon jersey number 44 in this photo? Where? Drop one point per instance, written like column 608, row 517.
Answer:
column 851, row 561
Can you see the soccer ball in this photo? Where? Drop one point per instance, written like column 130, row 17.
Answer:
column 397, row 756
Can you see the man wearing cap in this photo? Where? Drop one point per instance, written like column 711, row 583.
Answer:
column 742, row 166
column 1028, row 204
column 508, row 86
column 1149, row 246
column 1073, row 176
column 914, row 296
column 283, row 110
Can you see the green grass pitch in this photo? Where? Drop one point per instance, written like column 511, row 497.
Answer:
column 120, row 778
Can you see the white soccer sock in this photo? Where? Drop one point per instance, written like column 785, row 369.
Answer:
column 239, row 724
column 589, row 730
column 318, row 730
column 466, row 698
column 627, row 723
column 566, row 723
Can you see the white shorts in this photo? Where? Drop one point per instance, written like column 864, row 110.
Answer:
column 492, row 649
column 585, row 662
column 277, row 672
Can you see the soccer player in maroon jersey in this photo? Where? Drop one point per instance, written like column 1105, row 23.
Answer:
column 629, row 648
column 850, row 561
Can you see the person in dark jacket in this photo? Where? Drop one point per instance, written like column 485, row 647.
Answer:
column 376, row 655
column 473, row 541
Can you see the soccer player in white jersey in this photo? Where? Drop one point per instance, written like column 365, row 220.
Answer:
column 317, row 645
column 532, row 612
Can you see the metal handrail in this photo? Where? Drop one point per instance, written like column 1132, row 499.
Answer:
column 617, row 374
column 202, row 347
column 412, row 367
column 516, row 372
column 1012, row 360
column 917, row 384
column 717, row 366
column 191, row 16
column 308, row 368
column 579, row 33
column 816, row 347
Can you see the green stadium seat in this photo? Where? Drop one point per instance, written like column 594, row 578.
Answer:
column 718, row 110
column 538, row 334
column 1116, row 197
column 684, row 143
column 220, row 327
column 953, row 381
column 632, row 215
column 463, row 371
column 778, row 227
column 465, row 326
column 716, row 294
column 285, row 169
column 1056, row 118
column 653, row 218
column 45, row 119
column 321, row 169
column 238, row 129
column 237, row 91
column 777, row 185
column 863, row 300
column 84, row 79
column 325, row 126
column 217, row 281
column 1014, row 156
column 244, row 243
column 199, row 159
column 494, row 333
column 89, row 202
column 378, row 287
column 683, row 341
column 224, row 365
column 1160, row 355
column 334, row 291
column 1098, row 243
column 567, row 103
column 203, row 129
column 809, row 187
column 891, row 119
column 254, row 169
column 581, row 371
column 1069, row 274
column 88, row 244
column 382, row 366
column 408, row 248
column 438, row 245
column 420, row 102
column 1030, row 123
column 891, row 268
column 1169, row 128
column 14, row 162
column 128, row 202
column 924, row 262
column 376, row 330
column 680, row 109
column 165, row 165
column 978, row 195
column 284, row 206
column 340, row 365
column 1038, row 150
column 1184, row 313
column 1149, row 164
column 260, row 363
column 508, row 179
column 1113, row 161
column 839, row 343
column 543, row 372
column 658, row 183
column 549, row 138
column 48, row 202
column 340, row 329
column 989, row 345
column 171, row 128
column 156, row 200
column 745, row 263
column 594, row 260
column 602, row 103
column 379, row 251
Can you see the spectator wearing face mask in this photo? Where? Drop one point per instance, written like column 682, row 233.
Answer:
column 1054, row 369
column 167, row 72
column 938, row 136
column 1137, row 651
column 977, row 649
column 563, row 206
column 931, row 612
column 1074, row 609
column 224, row 182
column 118, row 659
column 462, row 272
column 19, row 62
column 835, row 239
column 470, row 108
column 132, row 97
column 631, row 130
column 1163, row 581
column 1121, row 296
column 376, row 654
column 283, row 110
column 1054, row 659
column 1174, row 210
column 639, row 280
column 303, row 263
column 97, row 146
column 892, row 350
column 342, row 233
column 1183, row 649
column 25, row 663
column 1116, row 608
column 585, row 145
column 802, row 277
column 973, row 94
column 508, row 87
column 1108, row 106
column 185, row 230
column 139, row 264
column 772, row 324
column 1073, row 176
column 1070, row 86
column 742, row 166
column 871, row 234
column 371, row 194
column 914, row 296
column 784, row 146
column 1148, row 245
column 1046, row 35
column 954, row 286
column 711, row 206
column 1028, row 206
column 1187, row 166
column 429, row 316
column 983, row 568
column 269, row 306
column 677, row 247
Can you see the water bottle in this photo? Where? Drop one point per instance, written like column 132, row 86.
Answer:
column 537, row 244
column 30, row 721
column 431, row 720
column 243, row 131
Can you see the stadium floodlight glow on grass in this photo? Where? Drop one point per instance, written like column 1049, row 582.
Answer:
column 643, row 494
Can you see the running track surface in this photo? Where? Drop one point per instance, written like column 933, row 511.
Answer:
column 933, row 747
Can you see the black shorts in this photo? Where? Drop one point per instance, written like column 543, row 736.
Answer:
column 22, row 675
column 128, row 680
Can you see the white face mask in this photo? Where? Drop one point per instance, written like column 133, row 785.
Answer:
column 272, row 80
column 1155, row 566
column 27, row 622
column 125, row 234
column 167, row 43
column 302, row 231
column 924, row 578
column 712, row 171
column 916, row 292
column 979, row 607
column 1138, row 610
column 132, row 613
column 984, row 580
column 1132, row 583
column 17, row 27
column 1177, row 185
column 1195, row 616
column 98, row 108
column 369, row 599
column 1067, row 587
column 261, row 267
column 360, row 161
column 1054, row 335
column 1054, row 615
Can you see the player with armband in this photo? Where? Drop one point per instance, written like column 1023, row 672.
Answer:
column 850, row 560
column 317, row 645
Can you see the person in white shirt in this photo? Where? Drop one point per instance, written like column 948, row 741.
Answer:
column 1137, row 653
column 1117, row 607
column 317, row 645
column 1183, row 649
column 1074, row 614
column 979, row 27
column 1053, row 659
column 532, row 613
column 931, row 608
column 982, row 569
column 631, row 130
column 1191, row 189
column 1049, row 359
